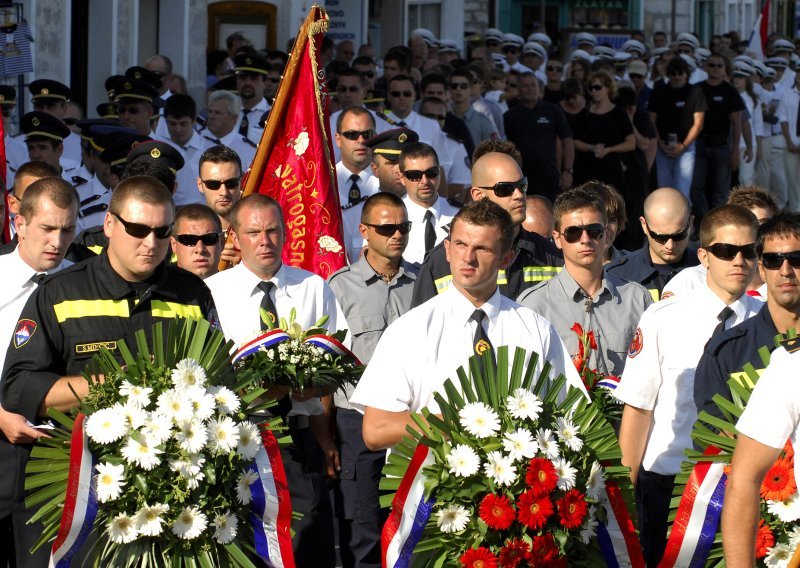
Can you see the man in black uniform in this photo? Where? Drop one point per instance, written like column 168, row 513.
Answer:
column 498, row 178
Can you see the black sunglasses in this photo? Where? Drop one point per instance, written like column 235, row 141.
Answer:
column 551, row 68
column 491, row 43
column 139, row 231
column 434, row 116
column 189, row 240
column 454, row 86
column 398, row 94
column 507, row 188
column 389, row 229
column 774, row 260
column 663, row 238
column 215, row 184
column 725, row 251
column 356, row 134
column 346, row 89
column 595, row 87
column 416, row 175
column 509, row 49
column 573, row 234
column 368, row 74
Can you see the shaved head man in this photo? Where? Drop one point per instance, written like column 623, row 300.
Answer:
column 498, row 178
column 538, row 215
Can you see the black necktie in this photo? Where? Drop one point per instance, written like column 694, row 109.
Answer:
column 430, row 231
column 245, row 124
column 355, row 194
column 267, row 304
column 723, row 316
column 480, row 342
column 38, row 277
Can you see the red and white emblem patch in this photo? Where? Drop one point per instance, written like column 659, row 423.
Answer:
column 636, row 344
column 25, row 330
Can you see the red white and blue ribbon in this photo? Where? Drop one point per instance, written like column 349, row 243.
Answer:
column 410, row 512
column 331, row 345
column 262, row 342
column 617, row 538
column 80, row 505
column 610, row 382
column 271, row 509
column 697, row 519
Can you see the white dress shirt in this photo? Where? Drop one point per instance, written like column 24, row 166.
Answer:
column 72, row 148
column 254, row 131
column 426, row 128
column 94, row 200
column 236, row 142
column 443, row 213
column 186, row 177
column 787, row 112
column 380, row 126
column 367, row 183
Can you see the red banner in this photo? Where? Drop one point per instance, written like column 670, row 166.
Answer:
column 293, row 163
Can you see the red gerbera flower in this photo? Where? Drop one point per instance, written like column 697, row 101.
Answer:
column 779, row 482
column 788, row 450
column 478, row 558
column 543, row 551
column 572, row 509
column 533, row 511
column 541, row 476
column 764, row 539
column 514, row 552
column 497, row 511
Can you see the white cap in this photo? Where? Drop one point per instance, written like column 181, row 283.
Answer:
column 742, row 69
column 493, row 33
column 659, row 51
column 535, row 48
column 580, row 54
column 425, row 34
column 701, row 53
column 744, row 59
column 622, row 57
column 541, row 38
column 690, row 60
column 604, row 52
column 585, row 37
column 513, row 39
column 449, row 46
column 761, row 69
column 634, row 46
column 686, row 38
column 782, row 45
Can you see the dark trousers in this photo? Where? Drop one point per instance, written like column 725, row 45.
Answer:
column 653, row 494
column 711, row 182
column 356, row 494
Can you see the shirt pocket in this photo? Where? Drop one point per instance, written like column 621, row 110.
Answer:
column 364, row 324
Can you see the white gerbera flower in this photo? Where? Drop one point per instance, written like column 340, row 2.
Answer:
column 134, row 415
column 191, row 436
column 452, row 519
column 500, row 468
column 520, row 444
column 107, row 425
column 547, row 443
column 589, row 528
column 787, row 510
column 122, row 529
column 223, row 435
column 568, row 434
column 175, row 405
column 596, row 484
column 479, row 420
column 188, row 374
column 147, row 520
column 249, row 440
column 110, row 479
column 226, row 399
column 157, row 427
column 203, row 406
column 794, row 537
column 142, row 451
column 243, row 493
column 225, row 527
column 778, row 556
column 463, row 461
column 566, row 474
column 190, row 523
column 524, row 404
column 189, row 470
column 137, row 395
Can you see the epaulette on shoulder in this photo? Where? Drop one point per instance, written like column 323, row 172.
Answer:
column 78, row 180
column 791, row 345
column 455, row 203
column 246, row 139
column 386, row 118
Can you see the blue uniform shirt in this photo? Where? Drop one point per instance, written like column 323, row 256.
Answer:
column 637, row 266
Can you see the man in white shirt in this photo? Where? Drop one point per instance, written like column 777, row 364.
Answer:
column 400, row 95
column 180, row 112
column 423, row 348
column 788, row 116
column 429, row 214
column 261, row 280
column 657, row 386
column 222, row 126
column 52, row 97
column 351, row 88
column 251, row 73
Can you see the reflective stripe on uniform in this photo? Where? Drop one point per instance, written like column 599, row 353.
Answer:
column 172, row 310
column 96, row 249
column 540, row 273
column 90, row 308
column 655, row 294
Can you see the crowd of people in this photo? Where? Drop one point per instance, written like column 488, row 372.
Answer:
column 491, row 195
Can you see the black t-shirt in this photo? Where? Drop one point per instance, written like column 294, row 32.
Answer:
column 676, row 109
column 610, row 128
column 722, row 100
column 554, row 97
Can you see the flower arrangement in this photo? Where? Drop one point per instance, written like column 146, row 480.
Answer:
column 599, row 385
column 159, row 462
column 516, row 473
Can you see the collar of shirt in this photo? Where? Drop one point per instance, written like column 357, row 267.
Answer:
column 576, row 293
column 369, row 276
column 416, row 212
column 121, row 288
column 343, row 175
column 261, row 105
column 229, row 138
column 461, row 308
column 19, row 272
column 713, row 304
column 253, row 280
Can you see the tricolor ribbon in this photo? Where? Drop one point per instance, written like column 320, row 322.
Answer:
column 610, row 382
column 271, row 509
column 276, row 336
column 697, row 519
column 410, row 512
column 80, row 504
column 617, row 538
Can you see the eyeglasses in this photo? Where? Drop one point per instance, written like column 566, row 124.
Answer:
column 368, row 74
column 416, row 175
column 714, row 65
column 128, row 110
column 507, row 188
column 635, row 76
column 663, row 238
column 346, row 89
column 215, row 184
column 139, row 231
column 573, row 234
column 510, row 49
column 455, row 86
column 433, row 116
column 398, row 94
column 356, row 134
column 551, row 68
column 725, row 251
column 674, row 73
column 774, row 260
column 189, row 240
column 596, row 87
column 389, row 229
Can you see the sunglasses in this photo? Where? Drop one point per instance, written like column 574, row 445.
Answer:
column 595, row 87
column 774, row 260
column 189, row 240
column 128, row 110
column 455, row 86
column 663, row 238
column 510, row 49
column 398, row 94
column 390, row 229
column 139, row 231
column 215, row 184
column 490, row 43
column 433, row 116
column 635, row 76
column 507, row 188
column 676, row 73
column 725, row 251
column 551, row 68
column 714, row 65
column 573, row 234
column 356, row 134
column 368, row 74
column 346, row 89
column 416, row 175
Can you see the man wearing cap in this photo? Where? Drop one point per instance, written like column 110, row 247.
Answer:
column 789, row 118
column 224, row 109
column 784, row 49
column 401, row 96
column 688, row 45
column 251, row 71
column 386, row 148
column 134, row 100
column 16, row 152
column 534, row 57
column 51, row 97
column 637, row 73
column 421, row 43
column 180, row 113
column 511, row 48
column 44, row 138
column 586, row 41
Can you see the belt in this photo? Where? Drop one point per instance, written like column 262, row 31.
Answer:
column 298, row 422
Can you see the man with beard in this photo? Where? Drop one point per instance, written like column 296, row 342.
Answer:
column 251, row 72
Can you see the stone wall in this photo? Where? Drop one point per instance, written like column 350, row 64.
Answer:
column 658, row 16
column 476, row 15
column 50, row 41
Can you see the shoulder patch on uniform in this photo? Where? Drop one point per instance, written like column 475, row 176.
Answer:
column 666, row 295
column 213, row 319
column 791, row 345
column 24, row 331
column 636, row 344
column 78, row 180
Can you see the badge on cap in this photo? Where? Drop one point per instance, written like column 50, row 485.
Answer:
column 402, row 138
column 35, row 121
column 127, row 86
column 636, row 344
column 155, row 153
column 25, row 330
column 137, row 75
column 248, row 61
column 45, row 91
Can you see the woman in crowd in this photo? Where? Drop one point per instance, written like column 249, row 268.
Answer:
column 574, row 101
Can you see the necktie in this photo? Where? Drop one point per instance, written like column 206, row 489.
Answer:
column 355, row 194
column 245, row 124
column 38, row 277
column 430, row 231
column 481, row 342
column 402, row 124
column 267, row 304
column 722, row 317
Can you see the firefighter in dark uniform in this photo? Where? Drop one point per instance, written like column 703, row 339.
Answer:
column 497, row 177
column 637, row 266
